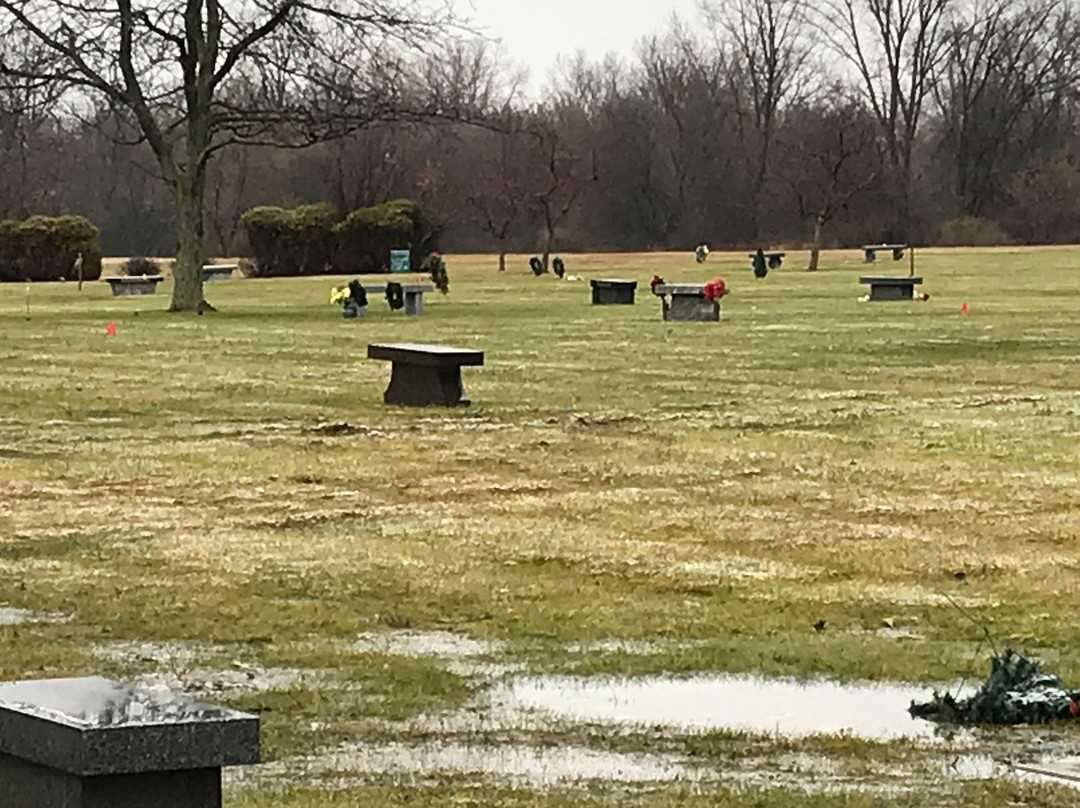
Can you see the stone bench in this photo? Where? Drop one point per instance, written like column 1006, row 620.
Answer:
column 688, row 302
column 891, row 287
column 775, row 259
column 218, row 272
column 425, row 374
column 134, row 284
column 610, row 291
column 94, row 743
column 871, row 251
column 414, row 294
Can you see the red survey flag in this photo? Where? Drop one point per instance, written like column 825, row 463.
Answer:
column 110, row 329
column 964, row 308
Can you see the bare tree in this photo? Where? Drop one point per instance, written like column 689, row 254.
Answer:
column 1008, row 71
column 198, row 75
column 765, row 56
column 830, row 157
column 895, row 47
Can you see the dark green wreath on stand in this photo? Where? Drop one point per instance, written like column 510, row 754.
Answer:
column 395, row 295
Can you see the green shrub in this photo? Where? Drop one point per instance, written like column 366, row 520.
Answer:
column 291, row 242
column 312, row 240
column 45, row 248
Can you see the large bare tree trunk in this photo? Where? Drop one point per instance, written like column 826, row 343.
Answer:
column 815, row 245
column 190, row 251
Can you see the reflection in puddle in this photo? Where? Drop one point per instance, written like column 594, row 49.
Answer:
column 769, row 706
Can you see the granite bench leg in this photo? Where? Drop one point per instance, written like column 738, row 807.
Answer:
column 28, row 785
column 870, row 256
column 892, row 292
column 423, row 385
column 414, row 302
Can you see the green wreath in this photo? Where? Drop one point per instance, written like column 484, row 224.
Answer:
column 395, row 295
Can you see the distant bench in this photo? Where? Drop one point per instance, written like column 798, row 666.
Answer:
column 134, row 284
column 891, row 287
column 423, row 374
column 774, row 258
column 218, row 272
column 872, row 250
column 413, row 292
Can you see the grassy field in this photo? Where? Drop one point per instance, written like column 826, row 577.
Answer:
column 904, row 472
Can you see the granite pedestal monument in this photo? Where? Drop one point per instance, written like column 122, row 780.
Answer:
column 610, row 291
column 891, row 287
column 688, row 302
column 94, row 743
column 421, row 375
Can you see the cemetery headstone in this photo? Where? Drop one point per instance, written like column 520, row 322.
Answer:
column 94, row 743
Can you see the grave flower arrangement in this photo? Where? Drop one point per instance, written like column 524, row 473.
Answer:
column 715, row 289
column 436, row 268
column 656, row 281
column 352, row 297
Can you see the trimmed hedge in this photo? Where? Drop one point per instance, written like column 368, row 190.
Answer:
column 314, row 240
column 291, row 242
column 44, row 248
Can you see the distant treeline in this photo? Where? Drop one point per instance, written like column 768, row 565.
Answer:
column 974, row 139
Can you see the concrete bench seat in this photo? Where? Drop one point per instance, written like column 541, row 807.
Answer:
column 94, row 743
column 423, row 374
column 218, row 272
column 688, row 302
column 891, row 287
column 774, row 258
column 414, row 294
column 134, row 284
column 611, row 291
column 871, row 251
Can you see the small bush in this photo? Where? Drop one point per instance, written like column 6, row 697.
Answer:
column 45, row 248
column 140, row 265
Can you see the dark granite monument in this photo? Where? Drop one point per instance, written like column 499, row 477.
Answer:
column 688, row 302
column 95, row 743
column 609, row 291
column 425, row 374
column 134, row 284
column 891, row 287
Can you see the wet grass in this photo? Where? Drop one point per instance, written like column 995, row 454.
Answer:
column 715, row 489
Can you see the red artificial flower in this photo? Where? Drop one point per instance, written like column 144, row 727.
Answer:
column 1074, row 708
column 715, row 289
column 656, row 281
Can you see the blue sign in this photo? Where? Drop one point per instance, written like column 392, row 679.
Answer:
column 399, row 260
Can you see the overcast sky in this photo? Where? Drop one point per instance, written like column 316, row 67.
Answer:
column 535, row 32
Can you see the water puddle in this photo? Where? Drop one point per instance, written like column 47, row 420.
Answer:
column 740, row 703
